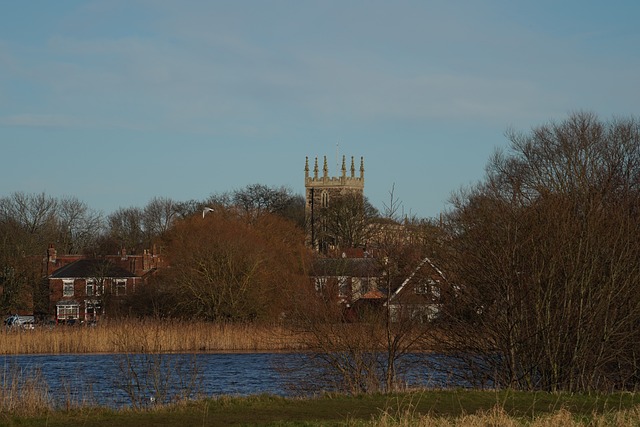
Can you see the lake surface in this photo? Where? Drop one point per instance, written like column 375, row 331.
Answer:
column 117, row 380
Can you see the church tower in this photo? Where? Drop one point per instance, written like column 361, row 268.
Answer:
column 322, row 192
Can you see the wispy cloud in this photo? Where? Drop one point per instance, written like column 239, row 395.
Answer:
column 213, row 65
column 41, row 121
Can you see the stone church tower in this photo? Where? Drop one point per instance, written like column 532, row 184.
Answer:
column 321, row 191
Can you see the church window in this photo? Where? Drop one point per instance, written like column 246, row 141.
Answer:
column 324, row 199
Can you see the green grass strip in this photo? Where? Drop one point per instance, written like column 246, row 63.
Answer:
column 337, row 410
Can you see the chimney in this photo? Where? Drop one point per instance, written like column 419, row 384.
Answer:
column 51, row 253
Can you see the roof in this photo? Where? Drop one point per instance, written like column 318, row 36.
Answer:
column 373, row 295
column 91, row 268
column 425, row 261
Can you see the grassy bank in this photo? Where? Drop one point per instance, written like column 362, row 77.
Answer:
column 430, row 408
column 148, row 336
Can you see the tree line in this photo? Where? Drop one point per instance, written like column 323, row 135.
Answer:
column 545, row 251
column 30, row 222
column 540, row 258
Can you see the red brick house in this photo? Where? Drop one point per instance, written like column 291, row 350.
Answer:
column 83, row 288
column 79, row 289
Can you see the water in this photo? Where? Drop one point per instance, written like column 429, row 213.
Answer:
column 121, row 380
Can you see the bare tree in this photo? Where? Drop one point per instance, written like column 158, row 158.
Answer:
column 544, row 255
column 78, row 226
column 34, row 216
column 346, row 223
column 259, row 198
column 188, row 208
column 364, row 344
column 402, row 249
column 158, row 217
column 126, row 229
column 28, row 223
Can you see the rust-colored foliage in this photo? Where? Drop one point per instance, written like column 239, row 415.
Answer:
column 226, row 268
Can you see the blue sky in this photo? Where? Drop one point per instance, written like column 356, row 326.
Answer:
column 116, row 102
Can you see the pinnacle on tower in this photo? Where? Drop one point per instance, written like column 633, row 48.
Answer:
column 322, row 192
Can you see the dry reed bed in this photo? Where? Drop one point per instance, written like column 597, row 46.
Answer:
column 23, row 392
column 150, row 336
column 499, row 417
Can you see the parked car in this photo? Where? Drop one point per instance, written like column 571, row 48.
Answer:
column 23, row 322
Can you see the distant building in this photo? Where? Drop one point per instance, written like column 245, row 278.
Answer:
column 346, row 279
column 321, row 193
column 420, row 297
column 83, row 288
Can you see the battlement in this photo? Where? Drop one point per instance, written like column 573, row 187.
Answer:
column 323, row 192
column 326, row 181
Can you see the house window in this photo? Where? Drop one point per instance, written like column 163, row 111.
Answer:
column 93, row 309
column 356, row 287
column 421, row 288
column 91, row 286
column 428, row 287
column 372, row 284
column 320, row 283
column 67, row 288
column 120, row 287
column 435, row 291
column 94, row 289
column 343, row 286
column 68, row 311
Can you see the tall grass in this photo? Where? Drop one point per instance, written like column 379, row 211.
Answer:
column 23, row 391
column 497, row 416
column 133, row 336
